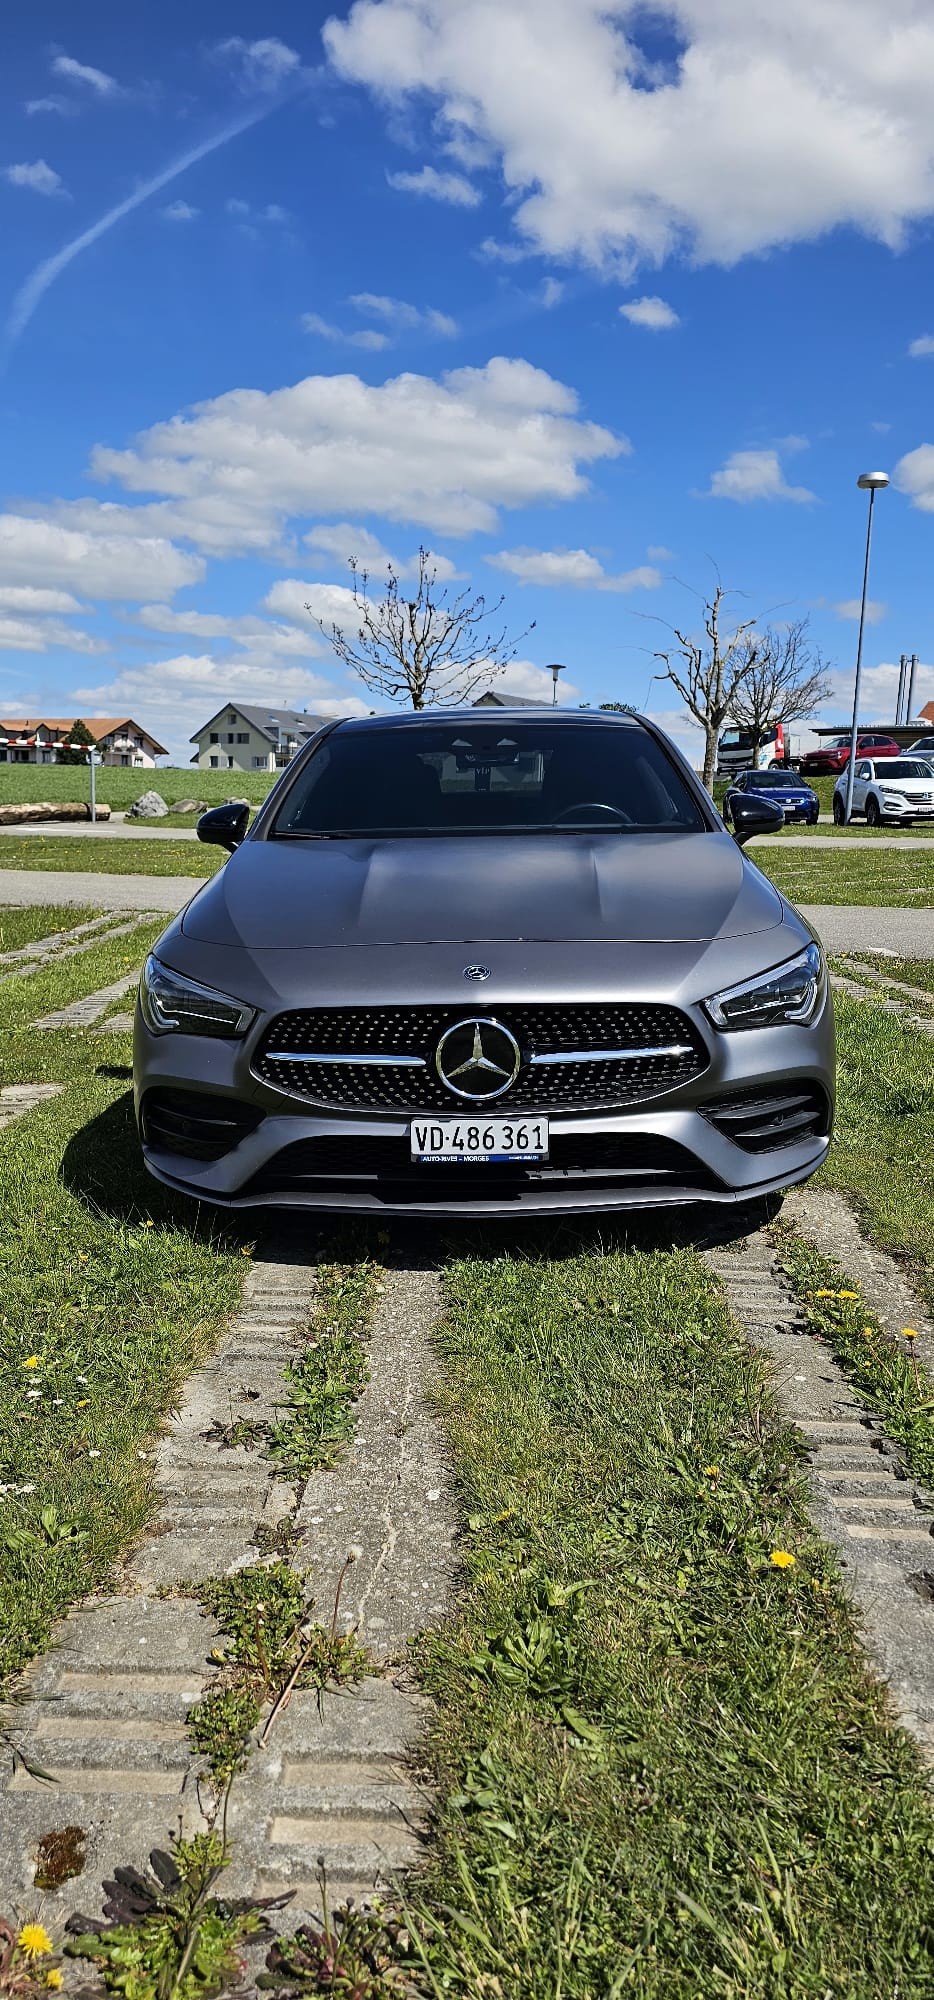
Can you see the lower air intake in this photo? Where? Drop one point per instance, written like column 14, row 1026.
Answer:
column 763, row 1119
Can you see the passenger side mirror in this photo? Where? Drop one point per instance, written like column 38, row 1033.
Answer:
column 751, row 815
column 225, row 826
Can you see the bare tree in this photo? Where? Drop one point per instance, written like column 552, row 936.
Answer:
column 428, row 649
column 709, row 675
column 787, row 682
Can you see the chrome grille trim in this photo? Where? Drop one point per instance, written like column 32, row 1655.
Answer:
column 611, row 1055
column 382, row 1062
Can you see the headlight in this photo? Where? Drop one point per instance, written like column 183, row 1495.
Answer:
column 172, row 1004
column 792, row 992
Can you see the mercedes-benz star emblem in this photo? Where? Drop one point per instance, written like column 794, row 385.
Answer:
column 477, row 1059
column 476, row 972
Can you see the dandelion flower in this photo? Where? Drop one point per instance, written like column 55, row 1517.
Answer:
column 34, row 1941
column 782, row 1559
column 848, row 1295
column 55, row 1978
column 910, row 1332
column 31, row 1361
column 867, row 1332
column 825, row 1295
column 711, row 1472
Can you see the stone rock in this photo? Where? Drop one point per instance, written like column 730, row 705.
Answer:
column 151, row 806
column 189, row 806
column 35, row 810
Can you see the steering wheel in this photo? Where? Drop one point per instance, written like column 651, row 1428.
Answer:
column 594, row 806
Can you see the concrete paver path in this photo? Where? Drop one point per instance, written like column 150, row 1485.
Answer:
column 29, row 888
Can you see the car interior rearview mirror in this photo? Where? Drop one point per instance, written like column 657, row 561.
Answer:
column 225, row 826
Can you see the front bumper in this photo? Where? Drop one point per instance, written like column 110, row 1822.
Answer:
column 670, row 1150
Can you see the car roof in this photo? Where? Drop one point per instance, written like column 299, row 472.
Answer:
column 429, row 718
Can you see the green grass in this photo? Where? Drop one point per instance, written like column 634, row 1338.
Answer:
column 900, row 878
column 918, row 972
column 882, row 1155
column 661, row 1767
column 119, row 787
column 22, row 927
column 108, row 1286
column 89, row 855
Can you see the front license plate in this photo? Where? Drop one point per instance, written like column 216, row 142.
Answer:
column 482, row 1139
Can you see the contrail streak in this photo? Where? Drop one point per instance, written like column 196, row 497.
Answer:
column 45, row 274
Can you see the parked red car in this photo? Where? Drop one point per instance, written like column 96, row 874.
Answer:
column 834, row 754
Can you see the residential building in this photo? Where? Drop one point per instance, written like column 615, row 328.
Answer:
column 240, row 738
column 501, row 698
column 119, row 740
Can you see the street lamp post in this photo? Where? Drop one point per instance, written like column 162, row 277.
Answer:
column 873, row 483
column 554, row 670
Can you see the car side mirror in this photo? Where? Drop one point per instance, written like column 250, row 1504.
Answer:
column 753, row 815
column 225, row 826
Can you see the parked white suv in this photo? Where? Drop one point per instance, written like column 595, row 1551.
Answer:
column 900, row 789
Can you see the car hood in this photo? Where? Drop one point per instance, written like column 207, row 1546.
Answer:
column 563, row 888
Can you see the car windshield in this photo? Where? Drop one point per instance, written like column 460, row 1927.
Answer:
column 907, row 767
column 773, row 781
column 479, row 777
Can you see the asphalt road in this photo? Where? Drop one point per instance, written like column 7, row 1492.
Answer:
column 909, row 933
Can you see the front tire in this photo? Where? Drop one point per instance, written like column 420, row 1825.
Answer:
column 838, row 813
column 873, row 814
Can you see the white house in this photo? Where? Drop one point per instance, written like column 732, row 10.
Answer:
column 119, row 740
column 238, row 738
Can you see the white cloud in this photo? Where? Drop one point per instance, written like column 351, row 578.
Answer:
column 447, row 454
column 880, row 690
column 883, row 429
column 264, row 65
column 26, row 597
column 453, row 188
column 96, row 80
column 37, row 175
column 574, row 569
column 657, row 552
column 552, row 293
column 364, row 336
column 263, row 638
column 922, row 348
column 341, row 540
column 244, row 211
column 398, row 313
column 914, row 475
column 679, row 724
column 180, row 694
column 180, row 211
column 755, row 475
column 39, row 635
column 849, row 608
column 58, row 104
column 651, row 312
column 767, row 124
column 119, row 567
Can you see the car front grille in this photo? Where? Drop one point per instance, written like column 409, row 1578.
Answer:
column 573, row 1056
column 384, row 1165
column 762, row 1120
column 194, row 1124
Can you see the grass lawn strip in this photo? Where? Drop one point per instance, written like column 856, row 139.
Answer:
column 20, row 929
column 88, row 856
column 119, row 787
column 886, row 1370
column 889, row 876
column 889, row 976
column 662, row 1766
column 882, row 1156
column 108, row 1297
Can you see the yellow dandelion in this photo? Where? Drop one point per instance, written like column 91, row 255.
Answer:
column 31, row 1361
column 848, row 1295
column 83, row 1403
column 782, row 1559
column 824, row 1295
column 867, row 1332
column 34, row 1941
column 55, row 1978
column 910, row 1332
column 711, row 1472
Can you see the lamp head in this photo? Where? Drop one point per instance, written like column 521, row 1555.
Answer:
column 874, row 481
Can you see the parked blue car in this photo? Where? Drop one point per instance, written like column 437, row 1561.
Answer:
column 782, row 788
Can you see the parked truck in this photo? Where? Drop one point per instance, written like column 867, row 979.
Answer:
column 778, row 747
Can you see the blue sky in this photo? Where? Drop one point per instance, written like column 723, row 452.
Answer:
column 587, row 298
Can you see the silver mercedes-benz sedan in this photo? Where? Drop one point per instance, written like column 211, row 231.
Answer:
column 475, row 962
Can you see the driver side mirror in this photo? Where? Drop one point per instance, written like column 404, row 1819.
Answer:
column 225, row 826
column 753, row 815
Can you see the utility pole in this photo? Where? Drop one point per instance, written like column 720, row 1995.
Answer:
column 92, row 760
column 900, row 715
column 911, row 687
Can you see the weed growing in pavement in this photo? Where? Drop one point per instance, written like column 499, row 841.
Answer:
column 274, row 1648
column 60, row 1854
column 28, row 1963
column 166, row 1934
column 358, row 1954
column 322, row 1389
column 885, row 1369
